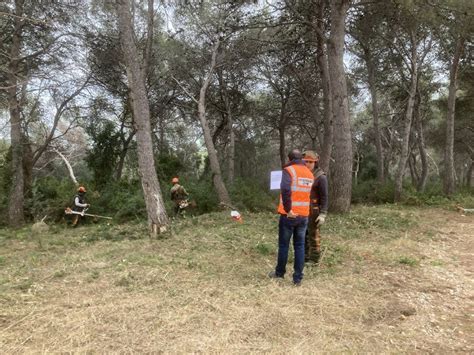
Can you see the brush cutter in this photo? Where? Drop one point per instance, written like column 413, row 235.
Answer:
column 69, row 211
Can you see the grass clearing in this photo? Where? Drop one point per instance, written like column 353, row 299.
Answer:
column 389, row 281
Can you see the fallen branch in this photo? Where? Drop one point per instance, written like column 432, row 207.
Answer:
column 68, row 165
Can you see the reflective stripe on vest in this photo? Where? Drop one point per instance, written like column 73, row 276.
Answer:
column 301, row 183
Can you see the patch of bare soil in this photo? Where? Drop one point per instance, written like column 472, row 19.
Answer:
column 434, row 301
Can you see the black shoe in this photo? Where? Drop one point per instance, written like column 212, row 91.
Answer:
column 273, row 275
column 297, row 284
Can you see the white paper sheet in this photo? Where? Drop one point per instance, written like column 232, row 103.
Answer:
column 275, row 180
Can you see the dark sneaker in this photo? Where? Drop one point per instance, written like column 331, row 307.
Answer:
column 273, row 275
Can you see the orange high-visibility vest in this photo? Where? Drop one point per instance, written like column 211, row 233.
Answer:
column 301, row 181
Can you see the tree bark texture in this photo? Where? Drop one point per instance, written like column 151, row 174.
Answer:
column 231, row 148
column 157, row 217
column 415, row 178
column 149, row 39
column 282, row 144
column 341, row 170
column 449, row 183
column 219, row 185
column 16, row 215
column 407, row 124
column 322, row 60
column 421, row 147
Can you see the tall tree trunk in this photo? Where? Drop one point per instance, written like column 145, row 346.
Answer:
column 469, row 173
column 322, row 60
column 230, row 123
column 375, row 113
column 357, row 167
column 123, row 155
column 231, row 149
column 16, row 215
column 282, row 147
column 421, row 147
column 219, row 185
column 413, row 171
column 282, row 123
column 341, row 171
column 400, row 172
column 389, row 152
column 407, row 123
column 449, row 183
column 157, row 217
column 149, row 39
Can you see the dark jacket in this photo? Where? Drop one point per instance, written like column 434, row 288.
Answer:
column 81, row 199
column 319, row 190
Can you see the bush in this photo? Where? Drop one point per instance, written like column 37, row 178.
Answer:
column 203, row 193
column 371, row 191
column 433, row 196
column 50, row 196
column 122, row 199
column 168, row 166
column 246, row 194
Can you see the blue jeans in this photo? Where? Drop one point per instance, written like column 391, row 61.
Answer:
column 288, row 227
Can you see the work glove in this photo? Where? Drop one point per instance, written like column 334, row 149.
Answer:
column 321, row 218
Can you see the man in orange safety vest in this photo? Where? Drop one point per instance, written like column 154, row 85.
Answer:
column 293, row 208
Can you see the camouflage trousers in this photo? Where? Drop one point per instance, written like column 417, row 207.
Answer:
column 312, row 247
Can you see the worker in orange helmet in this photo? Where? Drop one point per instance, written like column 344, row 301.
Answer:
column 79, row 205
column 179, row 196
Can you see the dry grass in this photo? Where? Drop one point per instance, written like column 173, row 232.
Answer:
column 390, row 282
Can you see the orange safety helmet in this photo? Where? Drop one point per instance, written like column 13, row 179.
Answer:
column 81, row 189
column 175, row 180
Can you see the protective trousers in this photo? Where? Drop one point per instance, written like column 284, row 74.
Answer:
column 313, row 239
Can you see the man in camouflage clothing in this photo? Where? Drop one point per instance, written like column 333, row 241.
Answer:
column 318, row 208
column 179, row 196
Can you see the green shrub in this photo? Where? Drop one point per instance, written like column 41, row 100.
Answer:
column 122, row 199
column 49, row 197
column 433, row 196
column 246, row 194
column 168, row 166
column 371, row 191
column 202, row 192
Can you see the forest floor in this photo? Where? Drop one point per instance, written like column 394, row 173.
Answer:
column 392, row 279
